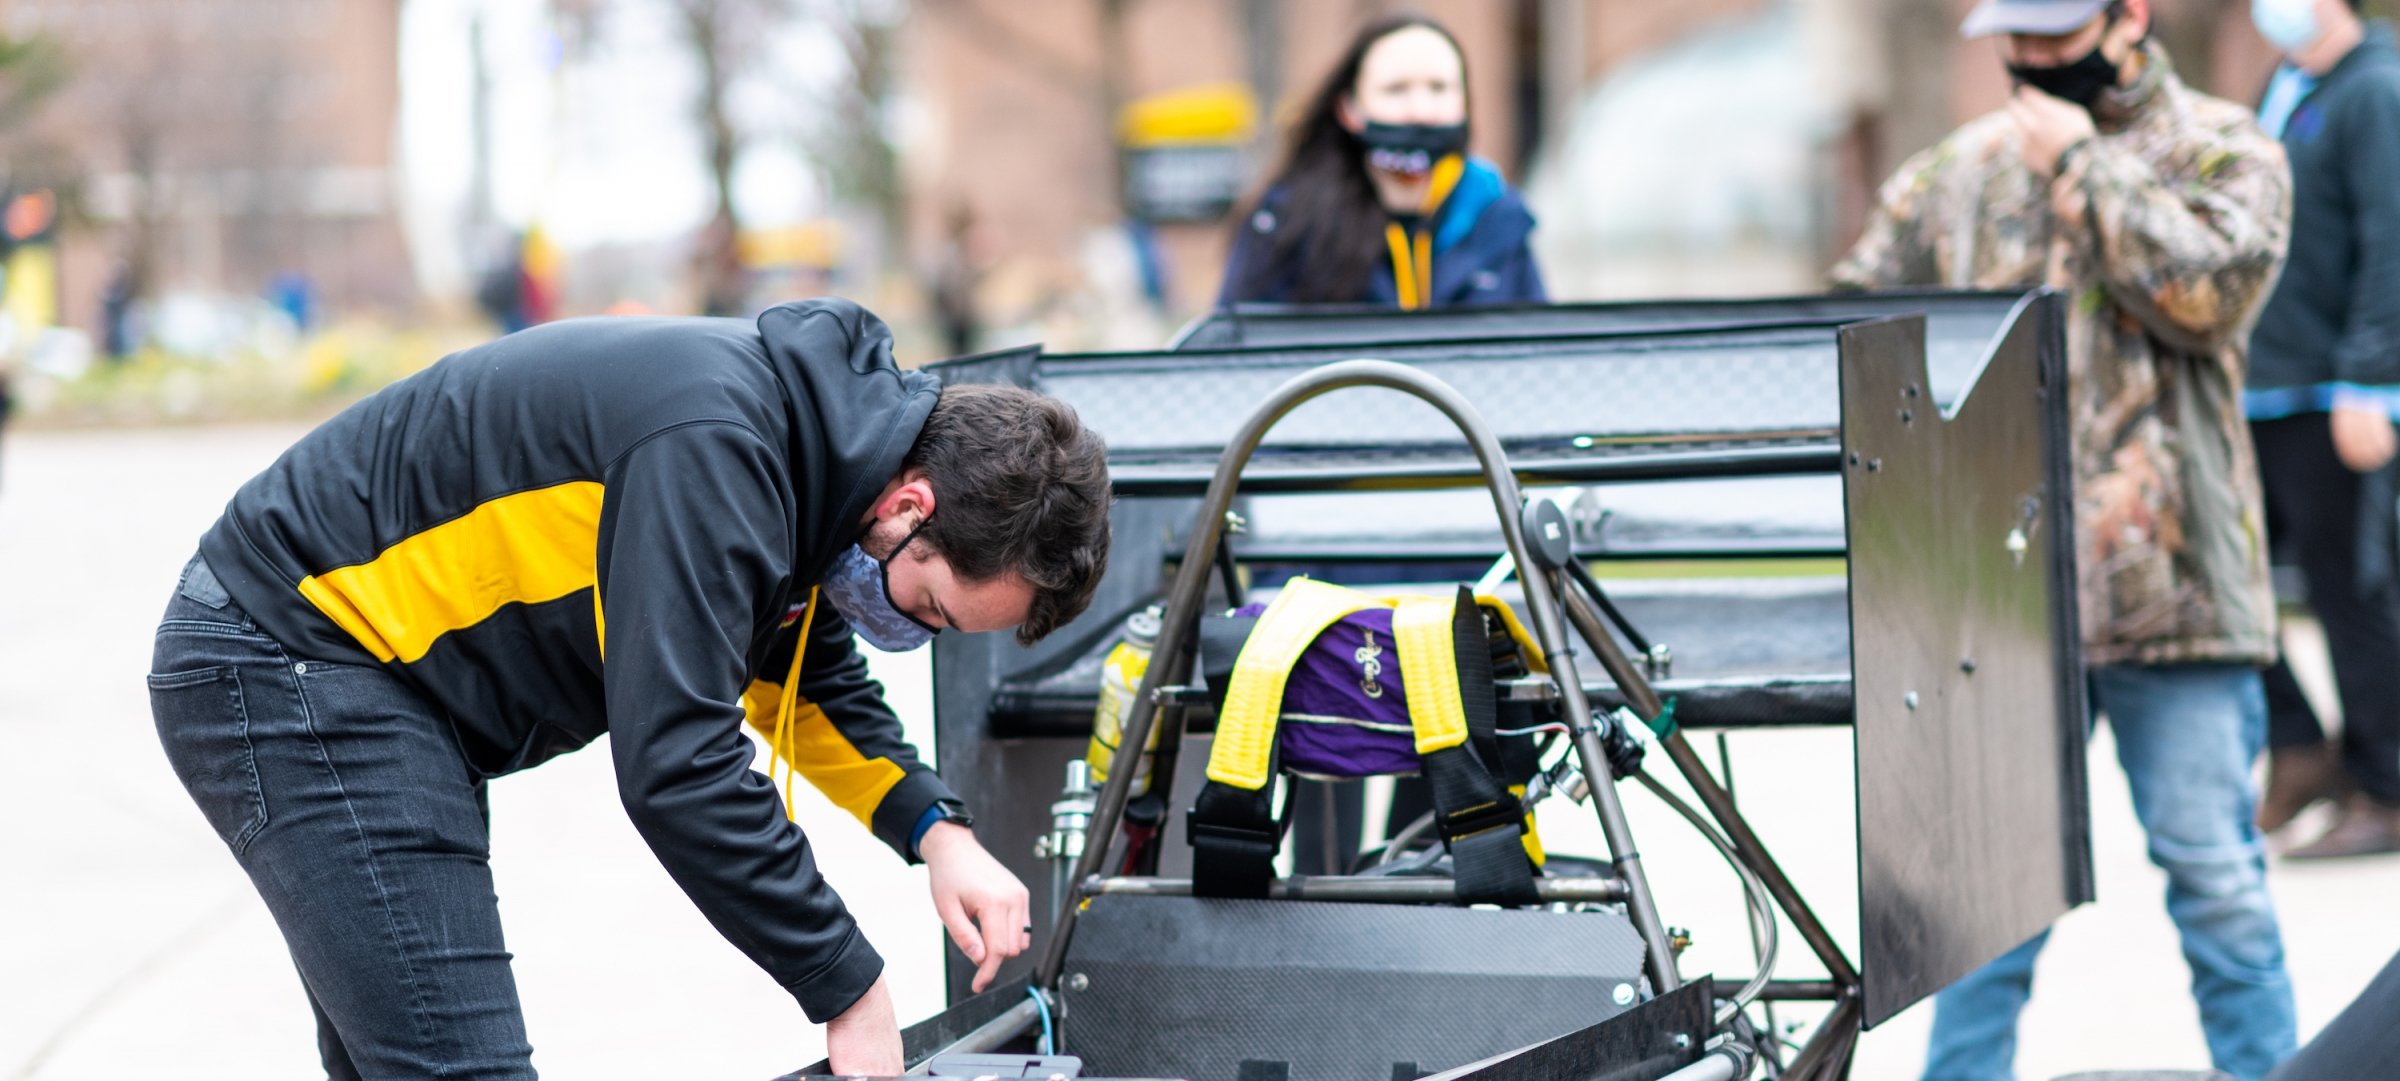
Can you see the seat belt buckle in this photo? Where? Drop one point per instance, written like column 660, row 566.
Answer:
column 1238, row 841
column 1505, row 814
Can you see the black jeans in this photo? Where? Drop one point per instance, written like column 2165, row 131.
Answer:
column 2317, row 513
column 343, row 793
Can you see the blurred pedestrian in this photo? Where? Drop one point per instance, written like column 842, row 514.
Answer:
column 2324, row 379
column 1377, row 200
column 2161, row 213
column 293, row 294
column 501, row 291
column 116, row 311
column 521, row 288
column 958, row 270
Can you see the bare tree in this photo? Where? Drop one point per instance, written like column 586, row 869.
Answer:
column 32, row 69
column 144, row 110
column 188, row 113
column 854, row 146
column 727, row 38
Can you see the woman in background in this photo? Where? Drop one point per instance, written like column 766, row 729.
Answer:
column 1377, row 201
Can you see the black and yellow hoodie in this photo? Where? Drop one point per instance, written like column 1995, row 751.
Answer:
column 613, row 526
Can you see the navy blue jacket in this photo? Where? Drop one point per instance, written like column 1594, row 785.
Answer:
column 1481, row 253
column 2333, row 322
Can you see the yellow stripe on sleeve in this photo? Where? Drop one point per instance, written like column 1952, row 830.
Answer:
column 815, row 748
column 525, row 548
column 759, row 703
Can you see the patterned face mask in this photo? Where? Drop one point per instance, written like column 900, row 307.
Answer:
column 860, row 587
column 1411, row 149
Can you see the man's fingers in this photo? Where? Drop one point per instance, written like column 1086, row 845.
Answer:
column 989, row 969
column 1006, row 929
column 962, row 930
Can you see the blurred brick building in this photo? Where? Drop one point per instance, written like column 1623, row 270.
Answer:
column 220, row 147
column 1015, row 112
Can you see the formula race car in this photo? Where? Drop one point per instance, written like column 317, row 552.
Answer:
column 1503, row 557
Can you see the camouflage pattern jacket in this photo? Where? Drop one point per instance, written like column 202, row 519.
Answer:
column 2165, row 232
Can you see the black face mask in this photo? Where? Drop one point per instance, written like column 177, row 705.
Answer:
column 2080, row 82
column 1411, row 149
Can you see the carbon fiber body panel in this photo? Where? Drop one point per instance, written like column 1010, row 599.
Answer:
column 1190, row 987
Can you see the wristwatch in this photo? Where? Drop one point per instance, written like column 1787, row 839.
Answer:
column 953, row 811
column 944, row 810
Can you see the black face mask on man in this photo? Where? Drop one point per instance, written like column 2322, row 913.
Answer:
column 1411, row 149
column 2080, row 82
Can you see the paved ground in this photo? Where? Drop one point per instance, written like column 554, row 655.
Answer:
column 130, row 944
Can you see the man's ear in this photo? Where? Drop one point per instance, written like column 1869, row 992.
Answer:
column 913, row 492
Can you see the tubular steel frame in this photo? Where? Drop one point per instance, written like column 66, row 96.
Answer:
column 1552, row 608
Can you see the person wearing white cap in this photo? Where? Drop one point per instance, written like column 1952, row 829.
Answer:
column 2162, row 214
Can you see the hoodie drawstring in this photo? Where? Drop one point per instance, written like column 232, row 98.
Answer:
column 786, row 741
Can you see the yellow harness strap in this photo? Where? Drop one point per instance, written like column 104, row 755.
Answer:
column 1428, row 659
column 1428, row 656
column 1245, row 739
column 1421, row 627
column 786, row 742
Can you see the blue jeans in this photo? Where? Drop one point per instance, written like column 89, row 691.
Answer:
column 344, row 795
column 2186, row 735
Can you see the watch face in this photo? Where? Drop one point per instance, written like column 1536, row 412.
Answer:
column 952, row 812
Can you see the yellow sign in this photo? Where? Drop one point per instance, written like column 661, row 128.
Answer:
column 1217, row 114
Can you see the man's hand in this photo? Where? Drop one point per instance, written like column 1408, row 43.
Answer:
column 865, row 1039
column 2046, row 127
column 2362, row 437
column 983, row 905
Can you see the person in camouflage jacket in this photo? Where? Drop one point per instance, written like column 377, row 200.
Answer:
column 2161, row 214
column 2165, row 231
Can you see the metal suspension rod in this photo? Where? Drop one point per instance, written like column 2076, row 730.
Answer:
column 992, row 1034
column 1801, row 991
column 1593, row 757
column 1827, row 1054
column 1645, row 702
column 1731, row 1062
column 1630, row 682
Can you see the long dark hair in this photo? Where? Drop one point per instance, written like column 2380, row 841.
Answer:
column 1329, row 229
